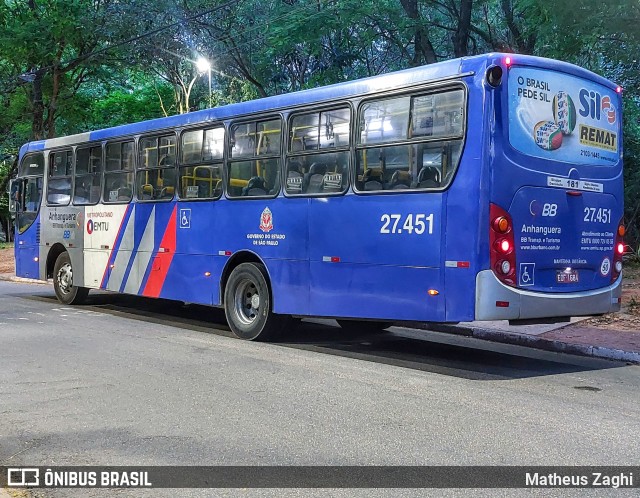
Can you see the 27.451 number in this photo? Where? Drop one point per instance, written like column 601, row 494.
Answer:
column 419, row 223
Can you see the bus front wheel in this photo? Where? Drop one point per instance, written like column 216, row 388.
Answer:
column 66, row 292
column 247, row 304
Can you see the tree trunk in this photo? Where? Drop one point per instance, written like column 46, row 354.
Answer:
column 37, row 124
column 461, row 36
column 423, row 48
column 53, row 104
column 523, row 45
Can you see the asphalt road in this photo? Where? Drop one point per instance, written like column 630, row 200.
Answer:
column 129, row 381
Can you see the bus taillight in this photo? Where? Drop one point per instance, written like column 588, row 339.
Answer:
column 503, row 245
column 501, row 224
column 618, row 251
column 503, row 256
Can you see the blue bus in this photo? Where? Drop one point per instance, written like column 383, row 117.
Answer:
column 482, row 188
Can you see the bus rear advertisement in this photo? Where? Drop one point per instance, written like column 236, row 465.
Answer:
column 482, row 188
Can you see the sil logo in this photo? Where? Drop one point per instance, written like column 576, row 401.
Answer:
column 595, row 106
column 608, row 110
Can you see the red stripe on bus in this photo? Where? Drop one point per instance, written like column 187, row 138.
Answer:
column 162, row 260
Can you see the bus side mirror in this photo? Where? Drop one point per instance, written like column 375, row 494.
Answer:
column 15, row 195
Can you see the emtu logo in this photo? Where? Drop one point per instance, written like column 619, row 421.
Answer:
column 593, row 105
column 97, row 226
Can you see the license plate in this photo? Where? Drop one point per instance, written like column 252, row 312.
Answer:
column 567, row 277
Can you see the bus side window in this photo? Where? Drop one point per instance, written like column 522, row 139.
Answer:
column 433, row 123
column 253, row 169
column 88, row 175
column 201, row 164
column 27, row 189
column 315, row 164
column 59, row 185
column 118, row 176
column 156, row 178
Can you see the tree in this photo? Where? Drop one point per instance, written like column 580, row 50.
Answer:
column 49, row 45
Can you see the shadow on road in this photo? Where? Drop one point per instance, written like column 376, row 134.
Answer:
column 426, row 351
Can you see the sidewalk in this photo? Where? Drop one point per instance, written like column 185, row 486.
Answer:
column 575, row 338
column 571, row 338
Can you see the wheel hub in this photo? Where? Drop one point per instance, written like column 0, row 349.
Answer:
column 255, row 301
column 65, row 278
column 247, row 302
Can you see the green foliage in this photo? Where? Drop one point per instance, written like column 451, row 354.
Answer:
column 106, row 106
column 5, row 166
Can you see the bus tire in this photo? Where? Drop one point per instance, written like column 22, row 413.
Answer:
column 248, row 306
column 363, row 326
column 66, row 292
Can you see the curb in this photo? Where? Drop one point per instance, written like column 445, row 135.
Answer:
column 537, row 342
column 557, row 346
column 12, row 278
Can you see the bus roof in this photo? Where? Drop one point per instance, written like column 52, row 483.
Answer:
column 388, row 81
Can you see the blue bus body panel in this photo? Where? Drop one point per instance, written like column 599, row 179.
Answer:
column 380, row 269
column 26, row 249
column 465, row 215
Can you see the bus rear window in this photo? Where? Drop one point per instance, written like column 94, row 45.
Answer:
column 564, row 118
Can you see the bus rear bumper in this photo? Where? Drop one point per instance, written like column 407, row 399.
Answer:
column 496, row 301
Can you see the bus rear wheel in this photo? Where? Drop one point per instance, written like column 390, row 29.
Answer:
column 66, row 292
column 247, row 304
column 363, row 326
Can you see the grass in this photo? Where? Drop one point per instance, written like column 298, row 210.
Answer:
column 6, row 245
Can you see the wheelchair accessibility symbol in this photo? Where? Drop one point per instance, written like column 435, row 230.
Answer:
column 527, row 274
column 185, row 218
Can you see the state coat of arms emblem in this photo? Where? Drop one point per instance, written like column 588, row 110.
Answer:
column 266, row 220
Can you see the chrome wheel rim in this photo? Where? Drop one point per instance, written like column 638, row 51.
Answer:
column 65, row 278
column 246, row 302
